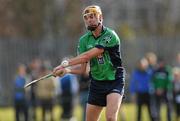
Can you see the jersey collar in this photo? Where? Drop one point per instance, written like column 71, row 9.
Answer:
column 102, row 32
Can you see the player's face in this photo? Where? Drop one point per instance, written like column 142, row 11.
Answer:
column 91, row 20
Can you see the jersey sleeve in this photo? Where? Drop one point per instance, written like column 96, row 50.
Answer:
column 109, row 40
column 81, row 46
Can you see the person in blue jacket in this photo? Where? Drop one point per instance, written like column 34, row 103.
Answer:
column 69, row 89
column 140, row 85
column 20, row 97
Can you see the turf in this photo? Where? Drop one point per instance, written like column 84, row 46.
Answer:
column 128, row 110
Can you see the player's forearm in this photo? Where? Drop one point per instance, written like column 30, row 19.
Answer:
column 83, row 58
column 79, row 70
column 76, row 71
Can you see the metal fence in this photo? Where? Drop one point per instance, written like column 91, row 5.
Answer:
column 13, row 52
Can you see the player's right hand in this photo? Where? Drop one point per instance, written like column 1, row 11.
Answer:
column 58, row 71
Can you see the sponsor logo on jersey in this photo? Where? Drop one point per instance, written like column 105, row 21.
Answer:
column 100, row 59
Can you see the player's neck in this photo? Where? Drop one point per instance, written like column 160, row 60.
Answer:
column 98, row 31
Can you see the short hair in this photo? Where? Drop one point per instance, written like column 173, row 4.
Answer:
column 92, row 9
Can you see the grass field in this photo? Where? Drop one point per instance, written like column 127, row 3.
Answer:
column 128, row 110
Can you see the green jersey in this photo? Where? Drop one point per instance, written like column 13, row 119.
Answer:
column 104, row 66
column 162, row 78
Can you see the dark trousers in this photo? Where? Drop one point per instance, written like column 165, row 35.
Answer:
column 21, row 108
column 83, row 100
column 143, row 99
column 67, row 103
column 33, row 106
column 177, row 104
column 159, row 100
column 177, row 107
column 47, row 106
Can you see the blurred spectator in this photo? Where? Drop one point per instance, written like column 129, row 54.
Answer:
column 139, row 85
column 20, row 98
column 152, row 60
column 176, row 91
column 45, row 91
column 84, row 87
column 162, row 82
column 177, row 63
column 1, row 94
column 34, row 71
column 69, row 89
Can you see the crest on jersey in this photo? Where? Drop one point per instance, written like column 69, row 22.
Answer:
column 107, row 39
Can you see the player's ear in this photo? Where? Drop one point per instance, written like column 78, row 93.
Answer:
column 100, row 18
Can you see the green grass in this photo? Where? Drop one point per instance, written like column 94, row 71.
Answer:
column 128, row 110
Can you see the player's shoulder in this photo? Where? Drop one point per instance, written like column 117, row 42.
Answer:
column 85, row 36
column 111, row 32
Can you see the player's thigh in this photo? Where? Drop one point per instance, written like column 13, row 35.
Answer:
column 113, row 104
column 93, row 112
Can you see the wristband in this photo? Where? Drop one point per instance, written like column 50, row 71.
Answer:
column 65, row 63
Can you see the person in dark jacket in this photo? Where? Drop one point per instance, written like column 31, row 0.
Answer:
column 162, row 82
column 176, row 91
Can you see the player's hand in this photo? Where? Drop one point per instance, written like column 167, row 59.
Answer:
column 61, row 71
column 58, row 71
